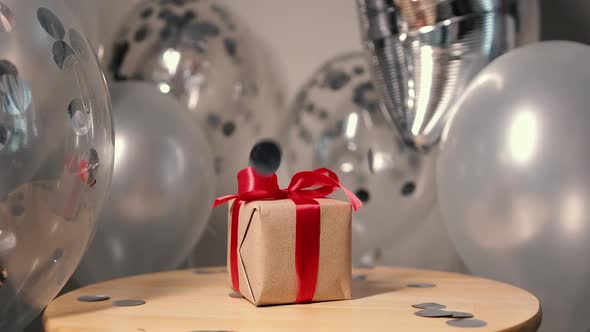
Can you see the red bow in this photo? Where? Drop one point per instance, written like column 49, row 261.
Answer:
column 304, row 188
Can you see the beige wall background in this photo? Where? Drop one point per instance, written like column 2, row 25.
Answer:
column 301, row 34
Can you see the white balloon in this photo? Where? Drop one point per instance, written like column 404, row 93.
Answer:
column 514, row 179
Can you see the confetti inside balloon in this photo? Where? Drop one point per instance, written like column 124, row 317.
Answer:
column 206, row 57
column 338, row 122
column 56, row 153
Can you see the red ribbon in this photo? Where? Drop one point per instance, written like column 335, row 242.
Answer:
column 304, row 188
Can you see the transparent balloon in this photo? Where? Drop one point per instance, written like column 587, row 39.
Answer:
column 338, row 122
column 56, row 153
column 86, row 12
column 206, row 57
column 163, row 186
column 513, row 177
column 424, row 53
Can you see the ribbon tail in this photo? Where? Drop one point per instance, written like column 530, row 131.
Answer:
column 223, row 199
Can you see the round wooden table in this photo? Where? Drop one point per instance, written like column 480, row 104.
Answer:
column 199, row 300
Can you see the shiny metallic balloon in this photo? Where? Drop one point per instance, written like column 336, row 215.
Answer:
column 56, row 153
column 338, row 122
column 513, row 177
column 163, row 186
column 424, row 53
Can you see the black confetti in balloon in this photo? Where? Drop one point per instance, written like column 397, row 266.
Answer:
column 75, row 105
column 142, row 33
column 62, row 54
column 3, row 136
column 147, row 13
column 359, row 70
column 363, row 195
column 6, row 18
column 79, row 45
column 309, row 108
column 408, row 189
column 51, row 23
column 365, row 97
column 213, row 120
column 17, row 211
column 336, row 80
column 265, row 157
column 3, row 276
column 323, row 114
column 228, row 129
column 57, row 255
column 218, row 165
column 7, row 68
column 231, row 47
column 165, row 14
column 120, row 51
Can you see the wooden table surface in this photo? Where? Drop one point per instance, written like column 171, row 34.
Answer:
column 198, row 300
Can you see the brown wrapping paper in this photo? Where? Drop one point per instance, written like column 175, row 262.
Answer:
column 266, row 251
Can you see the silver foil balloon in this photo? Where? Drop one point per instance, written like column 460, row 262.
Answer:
column 163, row 186
column 56, row 153
column 513, row 177
column 338, row 122
column 206, row 57
column 424, row 53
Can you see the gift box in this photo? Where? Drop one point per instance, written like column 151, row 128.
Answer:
column 289, row 245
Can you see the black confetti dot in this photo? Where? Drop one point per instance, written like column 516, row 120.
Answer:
column 203, row 29
column 231, row 47
column 363, row 195
column 17, row 211
column 3, row 136
column 359, row 277
column 265, row 157
column 165, row 33
column 188, row 16
column 128, row 303
column 213, row 120
column 7, row 68
column 236, row 295
column 75, row 105
column 309, row 108
column 142, row 33
column 93, row 165
column 6, row 18
column 421, row 285
column 78, row 44
column 218, row 165
column 228, row 129
column 165, row 14
column 51, row 23
column 93, row 298
column 3, row 276
column 365, row 97
column 147, row 13
column 468, row 323
column 120, row 51
column 57, row 255
column 62, row 54
column 323, row 114
column 359, row 70
column 408, row 189
column 336, row 80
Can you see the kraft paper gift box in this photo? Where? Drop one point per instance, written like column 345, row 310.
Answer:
column 289, row 245
column 266, row 253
